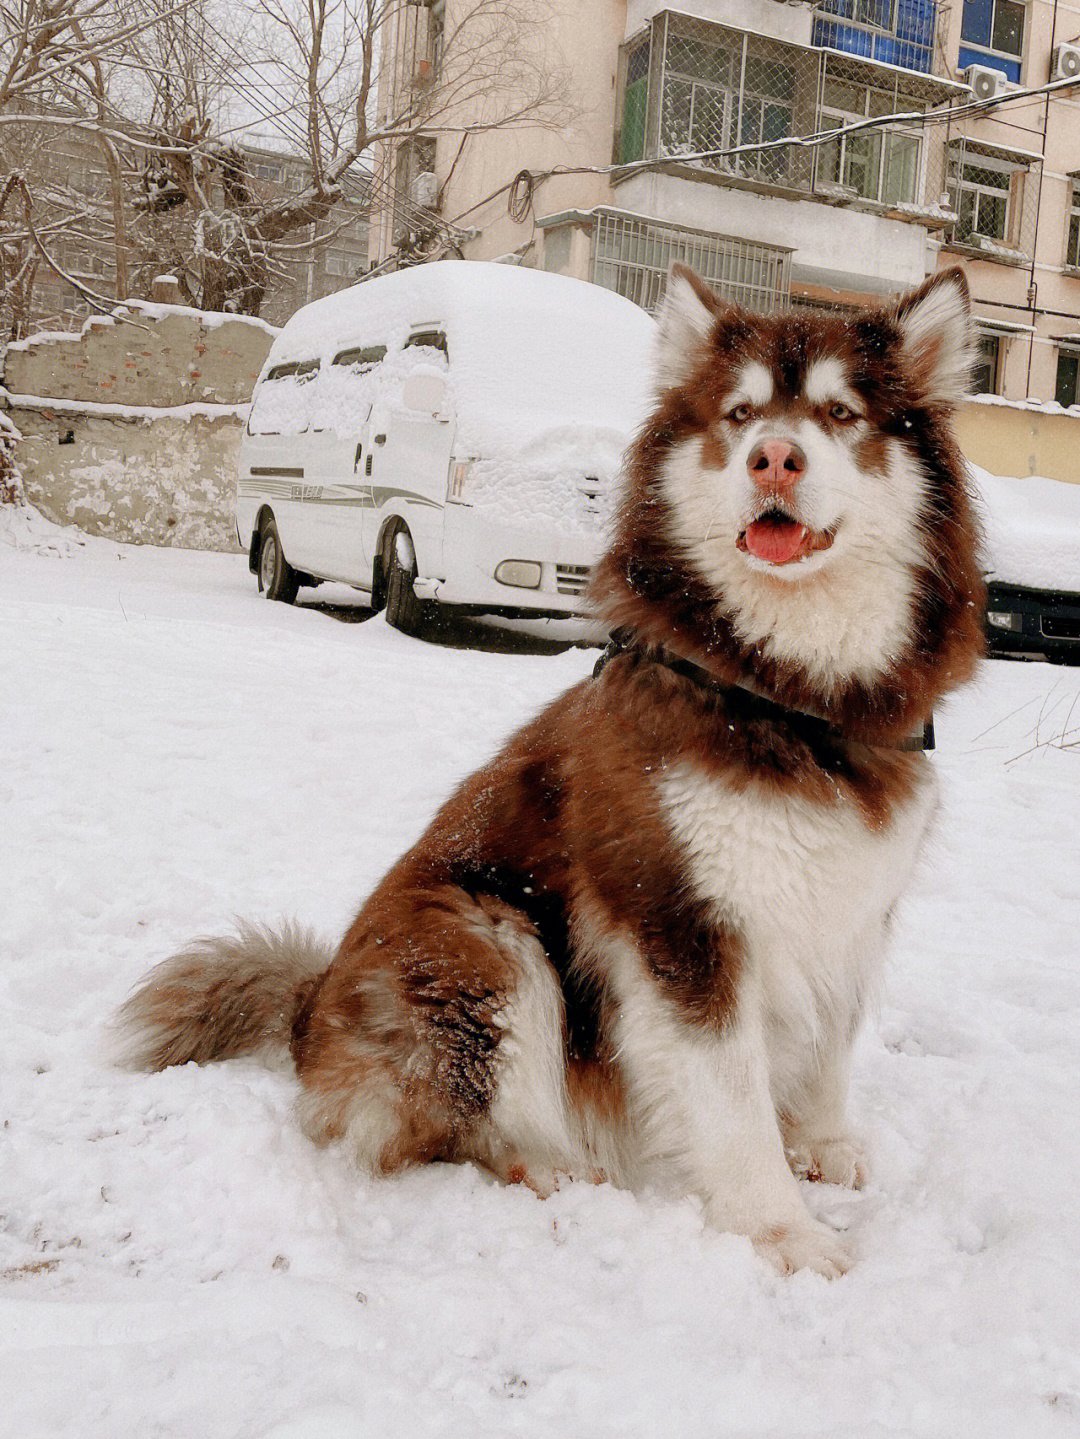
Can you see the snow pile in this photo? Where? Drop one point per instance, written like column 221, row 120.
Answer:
column 177, row 1260
column 1032, row 530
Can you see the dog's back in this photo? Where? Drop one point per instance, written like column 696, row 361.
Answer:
column 638, row 944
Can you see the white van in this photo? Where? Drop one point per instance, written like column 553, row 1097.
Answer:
column 447, row 435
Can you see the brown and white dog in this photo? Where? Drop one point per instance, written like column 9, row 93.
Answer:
column 639, row 943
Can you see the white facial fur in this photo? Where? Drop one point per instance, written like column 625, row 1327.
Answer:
column 841, row 612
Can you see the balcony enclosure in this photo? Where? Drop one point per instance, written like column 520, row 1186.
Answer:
column 694, row 92
column 632, row 256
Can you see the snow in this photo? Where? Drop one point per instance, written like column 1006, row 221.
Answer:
column 1032, row 530
column 129, row 311
column 524, row 347
column 178, row 1260
column 106, row 411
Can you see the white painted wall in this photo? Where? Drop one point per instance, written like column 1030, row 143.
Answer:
column 832, row 245
column 783, row 21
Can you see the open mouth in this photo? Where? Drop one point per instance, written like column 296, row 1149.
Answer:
column 779, row 539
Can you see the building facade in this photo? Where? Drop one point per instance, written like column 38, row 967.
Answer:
column 666, row 97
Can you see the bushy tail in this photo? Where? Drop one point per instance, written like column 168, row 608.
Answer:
column 221, row 997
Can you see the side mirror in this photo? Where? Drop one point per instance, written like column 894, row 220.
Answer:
column 424, row 392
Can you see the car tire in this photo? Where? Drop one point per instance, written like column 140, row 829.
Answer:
column 277, row 578
column 404, row 611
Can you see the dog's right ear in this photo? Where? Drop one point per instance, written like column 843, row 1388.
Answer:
column 687, row 320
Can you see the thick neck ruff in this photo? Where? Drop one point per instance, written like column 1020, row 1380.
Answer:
column 624, row 641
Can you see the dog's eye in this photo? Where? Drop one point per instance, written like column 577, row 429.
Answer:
column 842, row 413
column 740, row 414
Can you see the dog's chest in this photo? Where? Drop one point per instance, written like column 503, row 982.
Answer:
column 805, row 885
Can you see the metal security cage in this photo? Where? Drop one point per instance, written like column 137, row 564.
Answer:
column 632, row 256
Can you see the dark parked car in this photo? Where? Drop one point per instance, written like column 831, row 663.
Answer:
column 1033, row 571
column 1040, row 624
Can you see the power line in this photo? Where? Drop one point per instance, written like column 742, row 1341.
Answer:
column 522, row 186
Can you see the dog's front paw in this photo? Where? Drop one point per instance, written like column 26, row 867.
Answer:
column 830, row 1161
column 807, row 1245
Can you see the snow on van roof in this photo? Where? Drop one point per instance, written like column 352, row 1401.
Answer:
column 456, row 288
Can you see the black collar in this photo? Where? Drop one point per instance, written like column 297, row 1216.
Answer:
column 624, row 641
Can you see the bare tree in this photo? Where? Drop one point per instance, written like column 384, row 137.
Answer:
column 168, row 94
column 308, row 69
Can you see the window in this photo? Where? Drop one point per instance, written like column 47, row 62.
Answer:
column 301, row 369
column 1072, row 243
column 699, row 81
column 987, row 366
column 1067, row 390
column 880, row 165
column 339, row 262
column 282, row 402
column 635, row 102
column 361, row 358
column 436, row 35
column 722, row 89
column 429, row 339
column 992, row 33
column 893, row 32
column 987, row 191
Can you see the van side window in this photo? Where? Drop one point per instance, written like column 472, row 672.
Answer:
column 362, row 358
column 282, row 401
column 430, row 340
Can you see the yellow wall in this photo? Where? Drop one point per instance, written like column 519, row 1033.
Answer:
column 1016, row 440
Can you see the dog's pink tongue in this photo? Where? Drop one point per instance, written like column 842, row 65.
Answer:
column 776, row 541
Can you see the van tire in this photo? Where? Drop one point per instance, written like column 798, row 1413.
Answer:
column 277, row 578
column 404, row 611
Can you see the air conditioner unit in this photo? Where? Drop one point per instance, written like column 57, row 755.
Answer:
column 425, row 190
column 984, row 82
column 1065, row 64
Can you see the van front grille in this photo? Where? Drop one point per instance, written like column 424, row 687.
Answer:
column 1060, row 627
column 571, row 579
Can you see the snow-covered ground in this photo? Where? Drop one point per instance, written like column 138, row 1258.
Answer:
column 178, row 1261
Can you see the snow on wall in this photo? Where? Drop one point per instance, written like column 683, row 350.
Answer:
column 131, row 425
column 144, row 354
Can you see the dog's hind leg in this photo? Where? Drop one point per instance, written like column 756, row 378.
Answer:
column 438, row 1033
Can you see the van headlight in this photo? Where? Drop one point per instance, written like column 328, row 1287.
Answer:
column 522, row 574
column 1004, row 620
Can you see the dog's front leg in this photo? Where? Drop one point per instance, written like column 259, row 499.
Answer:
column 702, row 1106
column 817, row 1135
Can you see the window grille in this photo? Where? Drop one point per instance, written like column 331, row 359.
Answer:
column 1072, row 242
column 893, row 32
column 632, row 256
column 713, row 88
column 995, row 196
column 883, row 165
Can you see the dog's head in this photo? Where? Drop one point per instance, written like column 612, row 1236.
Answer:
column 795, row 512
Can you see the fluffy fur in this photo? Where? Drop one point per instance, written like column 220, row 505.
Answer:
column 638, row 944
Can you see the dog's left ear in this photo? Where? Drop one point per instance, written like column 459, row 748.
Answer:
column 687, row 318
column 936, row 323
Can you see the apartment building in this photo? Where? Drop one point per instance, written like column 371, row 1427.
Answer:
column 68, row 176
column 665, row 97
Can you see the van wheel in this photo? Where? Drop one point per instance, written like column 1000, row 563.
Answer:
column 404, row 611
column 277, row 578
